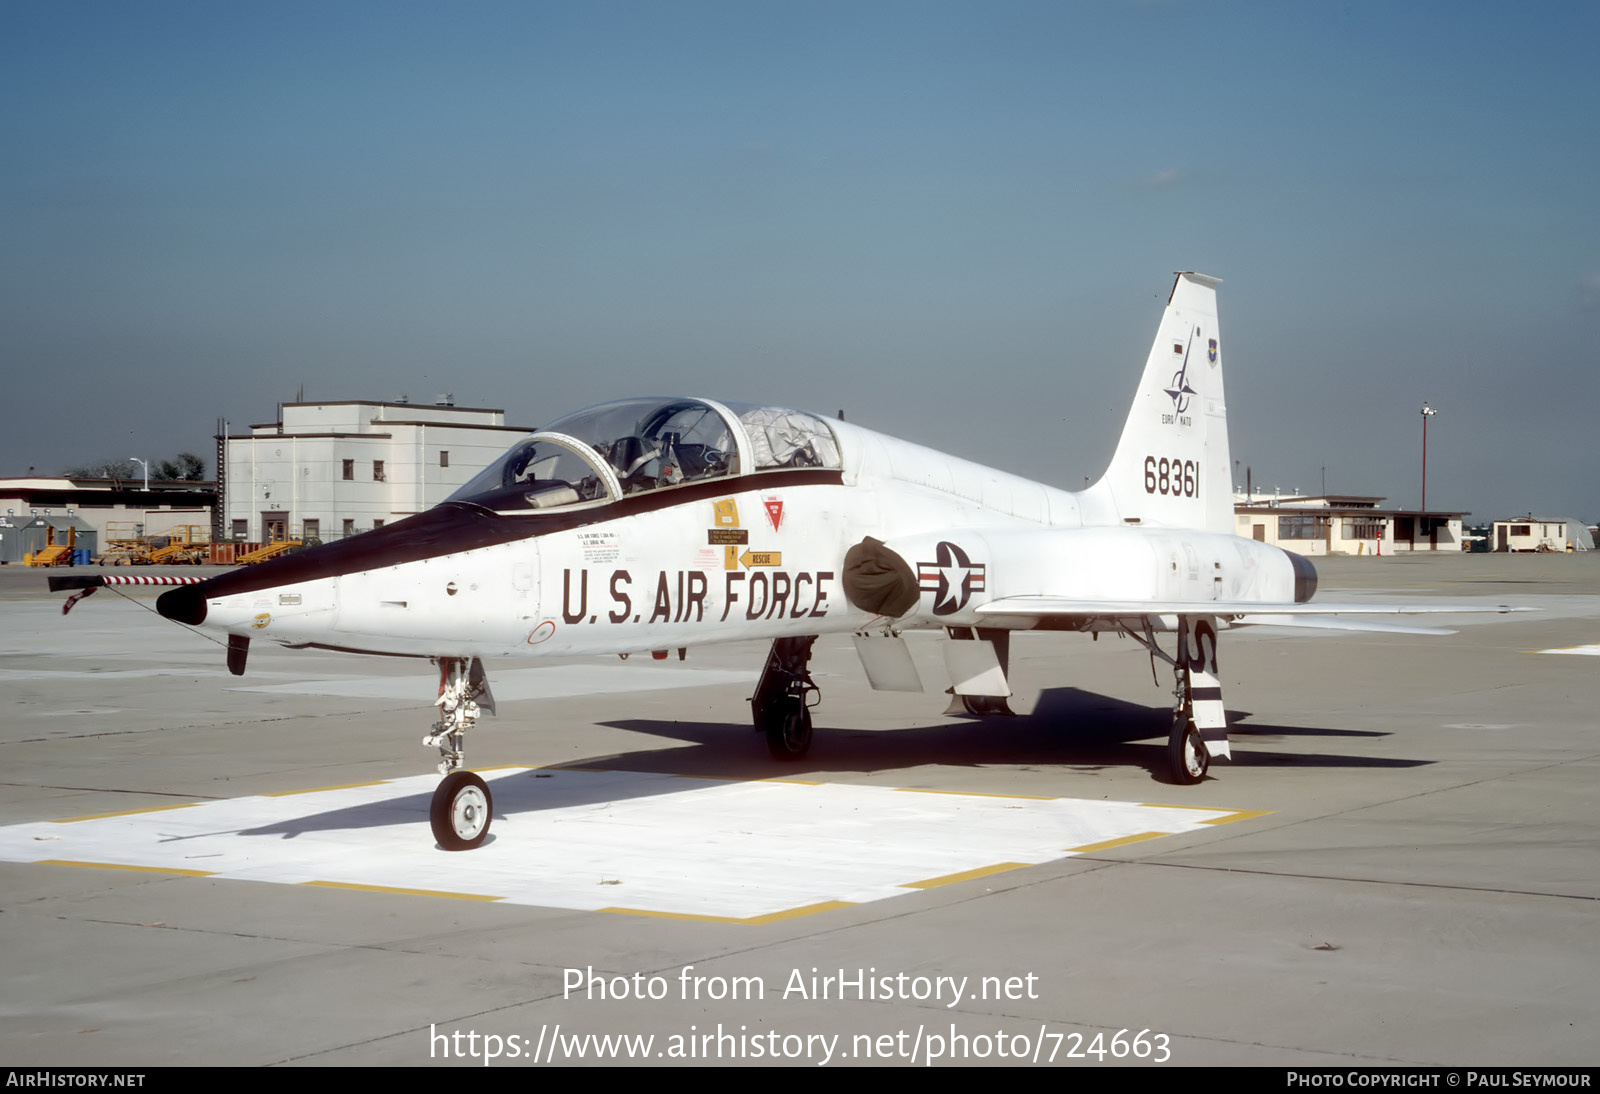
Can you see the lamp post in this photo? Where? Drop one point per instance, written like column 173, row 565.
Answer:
column 1427, row 412
column 146, row 465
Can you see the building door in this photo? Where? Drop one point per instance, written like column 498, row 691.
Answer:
column 274, row 526
column 1259, row 531
column 1405, row 528
column 1500, row 538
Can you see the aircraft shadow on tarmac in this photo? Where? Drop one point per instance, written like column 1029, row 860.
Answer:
column 1069, row 728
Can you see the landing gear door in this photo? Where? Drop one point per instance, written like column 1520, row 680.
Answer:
column 975, row 669
column 887, row 662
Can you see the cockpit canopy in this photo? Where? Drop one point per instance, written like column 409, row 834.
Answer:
column 618, row 449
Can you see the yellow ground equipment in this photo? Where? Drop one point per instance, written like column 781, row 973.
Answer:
column 53, row 553
column 268, row 550
column 124, row 542
column 184, row 544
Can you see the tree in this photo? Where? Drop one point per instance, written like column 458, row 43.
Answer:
column 110, row 469
column 184, row 467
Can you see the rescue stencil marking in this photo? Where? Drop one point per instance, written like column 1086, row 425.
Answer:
column 678, row 847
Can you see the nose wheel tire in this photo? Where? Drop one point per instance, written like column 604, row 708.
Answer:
column 1186, row 754
column 460, row 812
column 789, row 732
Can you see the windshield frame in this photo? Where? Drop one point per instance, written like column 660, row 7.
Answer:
column 591, row 459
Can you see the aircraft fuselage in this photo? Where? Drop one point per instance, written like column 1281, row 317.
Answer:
column 741, row 557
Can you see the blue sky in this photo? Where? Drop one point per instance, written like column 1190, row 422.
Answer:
column 957, row 221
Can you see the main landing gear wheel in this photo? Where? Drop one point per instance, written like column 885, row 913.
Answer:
column 788, row 729
column 981, row 705
column 460, row 811
column 1186, row 753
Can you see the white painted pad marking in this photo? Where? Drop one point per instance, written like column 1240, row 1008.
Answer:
column 612, row 839
column 1589, row 651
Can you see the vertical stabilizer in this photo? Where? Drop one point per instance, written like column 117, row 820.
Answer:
column 1171, row 467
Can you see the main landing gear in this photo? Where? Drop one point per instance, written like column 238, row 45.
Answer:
column 781, row 706
column 462, row 805
column 1199, row 723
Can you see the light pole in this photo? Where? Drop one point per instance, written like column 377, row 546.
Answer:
column 1427, row 412
column 146, row 465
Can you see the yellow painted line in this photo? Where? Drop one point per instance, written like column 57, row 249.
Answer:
column 1243, row 814
column 404, row 892
column 1164, row 805
column 121, row 866
column 752, row 921
column 1106, row 845
column 320, row 789
column 1232, row 814
column 974, row 794
column 965, row 875
column 126, row 813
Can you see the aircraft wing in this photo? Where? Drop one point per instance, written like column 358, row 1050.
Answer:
column 1240, row 613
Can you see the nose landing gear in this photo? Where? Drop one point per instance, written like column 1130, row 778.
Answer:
column 462, row 805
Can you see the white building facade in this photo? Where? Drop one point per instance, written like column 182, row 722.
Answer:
column 332, row 469
column 114, row 508
column 1532, row 533
column 1344, row 525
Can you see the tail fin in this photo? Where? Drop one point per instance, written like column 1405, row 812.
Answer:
column 1171, row 467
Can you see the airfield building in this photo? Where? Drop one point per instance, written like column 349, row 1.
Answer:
column 1532, row 533
column 330, row 469
column 1344, row 524
column 107, row 508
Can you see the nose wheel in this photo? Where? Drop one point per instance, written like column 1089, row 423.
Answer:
column 462, row 806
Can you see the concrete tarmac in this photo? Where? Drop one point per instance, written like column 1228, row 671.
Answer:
column 1409, row 872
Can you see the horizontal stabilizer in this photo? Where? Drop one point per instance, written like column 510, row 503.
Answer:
column 1328, row 623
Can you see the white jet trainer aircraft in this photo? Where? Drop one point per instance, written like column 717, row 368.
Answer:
column 653, row 524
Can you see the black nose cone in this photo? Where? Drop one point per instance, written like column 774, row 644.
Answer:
column 186, row 604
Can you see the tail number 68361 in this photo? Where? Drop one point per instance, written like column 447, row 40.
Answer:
column 1177, row 478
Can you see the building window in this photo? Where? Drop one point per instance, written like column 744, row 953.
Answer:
column 241, row 530
column 1302, row 526
column 377, row 470
column 311, row 529
column 444, row 458
column 1362, row 528
column 1521, row 529
column 377, row 523
column 349, row 470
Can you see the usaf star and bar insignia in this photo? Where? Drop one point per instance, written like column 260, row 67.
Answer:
column 952, row 578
